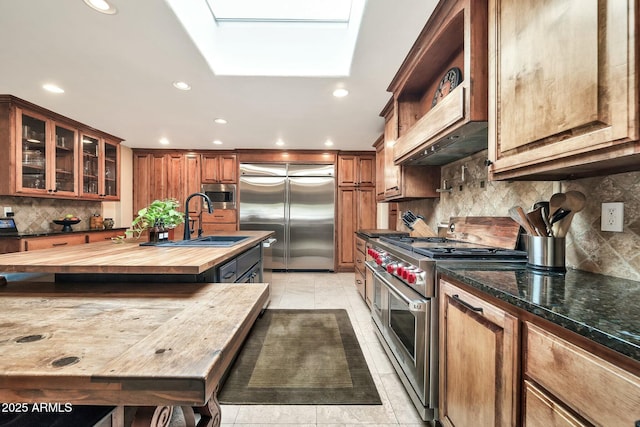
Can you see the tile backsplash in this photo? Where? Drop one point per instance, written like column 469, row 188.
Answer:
column 588, row 248
column 36, row 215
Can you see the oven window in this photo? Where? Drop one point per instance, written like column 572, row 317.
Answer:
column 220, row 196
column 377, row 294
column 403, row 323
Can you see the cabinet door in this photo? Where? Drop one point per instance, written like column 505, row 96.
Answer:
column 564, row 85
column 91, row 166
column 347, row 170
column 175, row 177
column 66, row 160
column 142, row 180
column 380, row 185
column 210, row 167
column 366, row 209
column 347, row 214
column 33, row 156
column 392, row 177
column 227, row 173
column 478, row 361
column 192, row 181
column 366, row 170
column 111, row 175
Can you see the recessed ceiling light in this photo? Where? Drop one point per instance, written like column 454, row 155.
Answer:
column 217, row 142
column 220, row 121
column 101, row 6
column 340, row 93
column 52, row 88
column 164, row 141
column 328, row 143
column 279, row 143
column 181, row 85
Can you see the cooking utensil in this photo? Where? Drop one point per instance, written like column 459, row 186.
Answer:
column 545, row 218
column 559, row 214
column 574, row 202
column 555, row 203
column 517, row 214
column 535, row 219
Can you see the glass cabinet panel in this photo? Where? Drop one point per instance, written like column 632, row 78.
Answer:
column 34, row 153
column 65, row 143
column 111, row 172
column 90, row 164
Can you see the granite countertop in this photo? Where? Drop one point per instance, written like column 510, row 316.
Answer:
column 59, row 232
column 601, row 308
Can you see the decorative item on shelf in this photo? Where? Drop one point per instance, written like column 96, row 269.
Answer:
column 108, row 223
column 96, row 222
column 67, row 222
column 163, row 211
column 450, row 81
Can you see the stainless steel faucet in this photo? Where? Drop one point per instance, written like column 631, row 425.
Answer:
column 187, row 228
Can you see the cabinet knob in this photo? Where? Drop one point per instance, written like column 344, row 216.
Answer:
column 488, row 162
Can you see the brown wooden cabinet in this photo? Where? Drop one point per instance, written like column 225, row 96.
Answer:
column 220, row 220
column 562, row 378
column 32, row 243
column 219, row 168
column 356, row 169
column 403, row 182
column 380, row 168
column 478, row 361
column 356, row 210
column 44, row 155
column 438, row 123
column 564, row 92
column 360, row 270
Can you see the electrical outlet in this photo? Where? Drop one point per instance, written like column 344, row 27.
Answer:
column 612, row 217
column 7, row 210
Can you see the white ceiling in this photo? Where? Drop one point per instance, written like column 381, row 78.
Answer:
column 117, row 72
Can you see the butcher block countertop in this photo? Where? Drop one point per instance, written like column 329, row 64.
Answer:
column 134, row 346
column 127, row 258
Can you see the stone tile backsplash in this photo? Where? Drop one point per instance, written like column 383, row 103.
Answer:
column 588, row 248
column 36, row 215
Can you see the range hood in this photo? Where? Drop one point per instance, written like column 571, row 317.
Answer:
column 460, row 143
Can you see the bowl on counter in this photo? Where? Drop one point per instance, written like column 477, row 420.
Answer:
column 66, row 223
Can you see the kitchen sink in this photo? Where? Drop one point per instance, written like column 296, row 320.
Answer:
column 205, row 241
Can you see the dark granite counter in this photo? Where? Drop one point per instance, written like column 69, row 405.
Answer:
column 601, row 308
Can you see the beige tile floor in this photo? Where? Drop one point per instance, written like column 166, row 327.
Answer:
column 331, row 290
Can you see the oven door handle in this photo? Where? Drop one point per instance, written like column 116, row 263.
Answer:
column 415, row 305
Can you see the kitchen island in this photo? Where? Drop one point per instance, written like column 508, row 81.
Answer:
column 137, row 349
column 131, row 262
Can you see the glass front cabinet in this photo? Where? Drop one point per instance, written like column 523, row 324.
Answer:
column 49, row 155
column 46, row 156
column 100, row 168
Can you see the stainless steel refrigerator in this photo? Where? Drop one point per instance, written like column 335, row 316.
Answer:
column 297, row 201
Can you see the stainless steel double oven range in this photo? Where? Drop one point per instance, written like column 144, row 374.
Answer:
column 405, row 305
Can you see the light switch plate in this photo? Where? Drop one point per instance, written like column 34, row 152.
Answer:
column 612, row 217
column 7, row 210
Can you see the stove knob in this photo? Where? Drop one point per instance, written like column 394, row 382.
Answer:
column 391, row 268
column 411, row 277
column 400, row 270
column 378, row 260
column 405, row 273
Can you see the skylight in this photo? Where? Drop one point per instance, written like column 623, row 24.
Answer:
column 273, row 37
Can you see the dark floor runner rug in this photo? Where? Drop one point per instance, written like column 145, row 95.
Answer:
column 300, row 357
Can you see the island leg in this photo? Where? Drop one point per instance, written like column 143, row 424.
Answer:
column 210, row 413
column 152, row 416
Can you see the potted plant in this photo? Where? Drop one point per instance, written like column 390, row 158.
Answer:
column 161, row 211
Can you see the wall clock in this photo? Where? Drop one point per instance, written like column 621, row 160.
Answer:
column 450, row 80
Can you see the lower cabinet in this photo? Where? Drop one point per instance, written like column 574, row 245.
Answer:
column 356, row 211
column 577, row 381
column 360, row 275
column 564, row 381
column 478, row 361
column 10, row 244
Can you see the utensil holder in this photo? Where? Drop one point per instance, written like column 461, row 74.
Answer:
column 546, row 253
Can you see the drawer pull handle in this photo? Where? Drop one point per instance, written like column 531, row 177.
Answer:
column 60, row 244
column 466, row 304
column 229, row 275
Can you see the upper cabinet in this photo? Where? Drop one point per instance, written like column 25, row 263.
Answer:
column 49, row 155
column 219, row 168
column 402, row 182
column 440, row 91
column 356, row 169
column 564, row 93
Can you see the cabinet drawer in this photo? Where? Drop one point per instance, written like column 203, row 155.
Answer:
column 101, row 236
column 360, row 245
column 221, row 215
column 360, row 258
column 212, row 227
column 597, row 390
column 33, row 244
column 542, row 411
